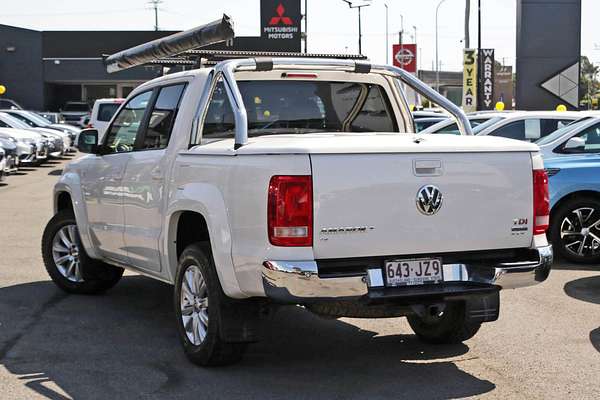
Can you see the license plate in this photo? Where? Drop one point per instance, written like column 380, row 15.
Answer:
column 411, row 272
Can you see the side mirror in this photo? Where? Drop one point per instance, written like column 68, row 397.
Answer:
column 574, row 145
column 88, row 141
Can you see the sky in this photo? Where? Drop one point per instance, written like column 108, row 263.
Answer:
column 332, row 26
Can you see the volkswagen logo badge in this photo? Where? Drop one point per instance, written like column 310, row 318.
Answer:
column 429, row 200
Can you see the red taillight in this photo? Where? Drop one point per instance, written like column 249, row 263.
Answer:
column 541, row 202
column 290, row 210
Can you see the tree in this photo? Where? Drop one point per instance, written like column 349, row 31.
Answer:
column 588, row 85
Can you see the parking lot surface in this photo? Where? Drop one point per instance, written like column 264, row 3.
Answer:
column 546, row 344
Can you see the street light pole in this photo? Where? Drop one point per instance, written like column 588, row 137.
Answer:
column 401, row 32
column 306, row 26
column 387, row 35
column 437, row 62
column 366, row 4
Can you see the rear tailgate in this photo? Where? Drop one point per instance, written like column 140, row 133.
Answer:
column 366, row 204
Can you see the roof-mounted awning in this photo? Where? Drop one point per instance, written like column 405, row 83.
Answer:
column 169, row 46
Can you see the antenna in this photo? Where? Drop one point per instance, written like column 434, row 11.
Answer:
column 154, row 4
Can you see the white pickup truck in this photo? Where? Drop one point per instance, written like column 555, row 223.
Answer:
column 294, row 181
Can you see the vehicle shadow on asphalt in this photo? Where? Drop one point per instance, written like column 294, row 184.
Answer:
column 595, row 338
column 56, row 172
column 124, row 345
column 587, row 289
column 565, row 265
column 584, row 289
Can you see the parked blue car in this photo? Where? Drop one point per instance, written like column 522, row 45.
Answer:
column 575, row 206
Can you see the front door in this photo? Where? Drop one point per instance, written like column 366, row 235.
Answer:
column 144, row 181
column 102, row 179
column 103, row 196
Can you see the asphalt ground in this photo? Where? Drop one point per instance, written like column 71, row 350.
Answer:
column 123, row 344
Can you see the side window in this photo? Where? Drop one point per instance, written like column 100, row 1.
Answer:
column 3, row 125
column 375, row 114
column 513, row 130
column 163, row 117
column 451, row 129
column 106, row 111
column 550, row 125
column 532, row 129
column 219, row 122
column 126, row 126
column 591, row 139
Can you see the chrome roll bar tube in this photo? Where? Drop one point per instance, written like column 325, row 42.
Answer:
column 228, row 68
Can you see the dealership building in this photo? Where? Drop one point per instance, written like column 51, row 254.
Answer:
column 42, row 70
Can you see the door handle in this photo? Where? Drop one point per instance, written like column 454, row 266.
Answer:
column 156, row 174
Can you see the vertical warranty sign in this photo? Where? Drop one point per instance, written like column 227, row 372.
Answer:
column 486, row 87
column 280, row 20
column 469, row 102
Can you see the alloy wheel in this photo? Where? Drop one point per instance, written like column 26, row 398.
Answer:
column 194, row 305
column 65, row 252
column 580, row 232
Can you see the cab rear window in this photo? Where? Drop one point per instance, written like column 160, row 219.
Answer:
column 278, row 107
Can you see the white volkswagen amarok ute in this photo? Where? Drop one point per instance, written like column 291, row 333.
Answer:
column 293, row 181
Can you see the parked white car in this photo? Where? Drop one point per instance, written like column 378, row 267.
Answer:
column 528, row 125
column 67, row 132
column 102, row 113
column 450, row 127
column 54, row 139
column 32, row 148
column 294, row 181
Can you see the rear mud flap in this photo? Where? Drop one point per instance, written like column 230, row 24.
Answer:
column 483, row 308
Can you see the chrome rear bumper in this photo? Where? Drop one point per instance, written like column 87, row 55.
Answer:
column 299, row 281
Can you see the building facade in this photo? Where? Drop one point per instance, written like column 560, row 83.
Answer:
column 42, row 70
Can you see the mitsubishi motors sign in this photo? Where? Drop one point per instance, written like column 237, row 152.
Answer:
column 280, row 20
column 405, row 57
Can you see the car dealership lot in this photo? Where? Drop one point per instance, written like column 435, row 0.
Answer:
column 124, row 345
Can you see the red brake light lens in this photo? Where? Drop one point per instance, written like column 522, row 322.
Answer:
column 299, row 75
column 290, row 211
column 541, row 202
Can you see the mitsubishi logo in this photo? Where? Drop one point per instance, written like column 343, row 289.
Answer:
column 280, row 19
column 429, row 200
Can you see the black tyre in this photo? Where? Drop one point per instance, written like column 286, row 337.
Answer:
column 68, row 264
column 196, row 287
column 575, row 230
column 446, row 327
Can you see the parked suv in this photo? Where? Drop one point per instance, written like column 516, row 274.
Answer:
column 73, row 111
